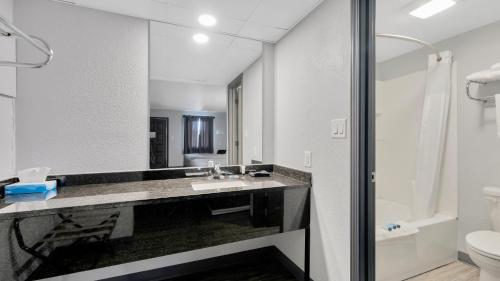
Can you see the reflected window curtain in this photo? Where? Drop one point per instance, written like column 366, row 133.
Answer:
column 198, row 134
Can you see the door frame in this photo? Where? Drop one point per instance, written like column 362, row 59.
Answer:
column 234, row 127
column 167, row 132
column 363, row 140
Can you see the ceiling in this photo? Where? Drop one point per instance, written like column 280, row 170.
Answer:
column 187, row 96
column 176, row 57
column 265, row 20
column 393, row 17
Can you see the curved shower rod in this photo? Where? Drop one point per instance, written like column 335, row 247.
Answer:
column 411, row 39
column 36, row 42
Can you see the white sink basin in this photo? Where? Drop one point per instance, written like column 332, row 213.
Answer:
column 217, row 185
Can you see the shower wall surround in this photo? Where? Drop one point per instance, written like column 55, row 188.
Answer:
column 398, row 129
column 397, row 135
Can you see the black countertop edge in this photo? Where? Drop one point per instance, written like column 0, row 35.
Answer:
column 54, row 211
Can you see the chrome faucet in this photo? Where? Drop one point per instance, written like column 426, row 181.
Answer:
column 214, row 170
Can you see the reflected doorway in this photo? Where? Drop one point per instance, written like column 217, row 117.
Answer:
column 158, row 142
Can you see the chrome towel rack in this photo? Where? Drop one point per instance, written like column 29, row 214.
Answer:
column 481, row 99
column 36, row 42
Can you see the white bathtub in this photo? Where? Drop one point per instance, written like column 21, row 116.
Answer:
column 399, row 258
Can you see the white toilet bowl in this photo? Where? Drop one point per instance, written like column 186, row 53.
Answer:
column 484, row 250
column 484, row 246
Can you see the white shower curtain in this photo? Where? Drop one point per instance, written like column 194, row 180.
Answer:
column 430, row 146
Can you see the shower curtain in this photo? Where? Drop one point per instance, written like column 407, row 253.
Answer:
column 432, row 137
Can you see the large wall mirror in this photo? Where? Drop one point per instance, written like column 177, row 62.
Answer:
column 162, row 83
column 205, row 95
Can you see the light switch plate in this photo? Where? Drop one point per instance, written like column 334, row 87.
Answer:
column 308, row 159
column 339, row 128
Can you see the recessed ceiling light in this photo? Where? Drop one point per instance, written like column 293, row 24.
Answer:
column 200, row 38
column 431, row 8
column 207, row 20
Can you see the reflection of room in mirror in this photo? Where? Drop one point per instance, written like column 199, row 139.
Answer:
column 192, row 104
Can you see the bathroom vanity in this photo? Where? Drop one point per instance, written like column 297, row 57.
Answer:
column 100, row 220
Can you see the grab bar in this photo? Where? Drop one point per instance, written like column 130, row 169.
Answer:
column 36, row 42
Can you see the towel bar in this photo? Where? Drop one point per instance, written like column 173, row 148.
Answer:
column 490, row 99
column 35, row 41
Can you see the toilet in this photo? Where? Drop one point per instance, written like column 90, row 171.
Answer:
column 484, row 246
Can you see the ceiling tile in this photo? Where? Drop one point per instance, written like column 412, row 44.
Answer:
column 175, row 57
column 255, row 18
column 261, row 32
column 188, row 17
column 247, row 44
column 235, row 9
column 282, row 13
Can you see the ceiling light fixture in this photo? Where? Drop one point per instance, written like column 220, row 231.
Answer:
column 201, row 38
column 431, row 8
column 207, row 20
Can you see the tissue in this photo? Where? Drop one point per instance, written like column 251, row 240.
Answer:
column 33, row 175
column 31, row 181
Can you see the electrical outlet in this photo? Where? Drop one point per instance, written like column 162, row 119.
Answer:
column 308, row 159
column 339, row 128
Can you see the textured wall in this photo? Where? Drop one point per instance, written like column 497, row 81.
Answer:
column 7, row 102
column 88, row 110
column 252, row 113
column 7, row 53
column 313, row 87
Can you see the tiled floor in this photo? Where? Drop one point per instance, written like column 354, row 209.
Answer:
column 457, row 271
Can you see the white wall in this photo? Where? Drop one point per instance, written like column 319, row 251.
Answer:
column 7, row 101
column 478, row 145
column 312, row 66
column 187, row 96
column 268, row 103
column 252, row 113
column 399, row 114
column 88, row 110
column 176, row 132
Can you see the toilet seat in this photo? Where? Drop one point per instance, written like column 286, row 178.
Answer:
column 485, row 243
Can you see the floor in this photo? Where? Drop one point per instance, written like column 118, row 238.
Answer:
column 269, row 270
column 456, row 271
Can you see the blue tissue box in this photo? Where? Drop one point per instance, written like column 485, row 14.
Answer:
column 30, row 197
column 20, row 188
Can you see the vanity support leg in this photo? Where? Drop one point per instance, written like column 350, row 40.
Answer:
column 307, row 248
column 307, row 254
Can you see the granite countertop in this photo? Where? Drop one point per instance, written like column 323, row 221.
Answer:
column 115, row 195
